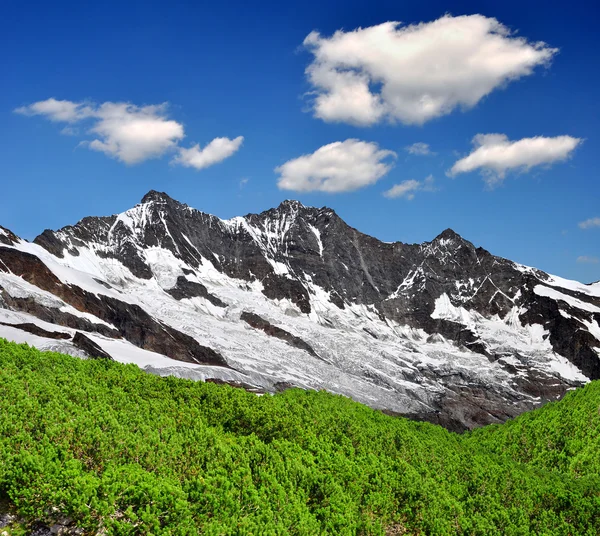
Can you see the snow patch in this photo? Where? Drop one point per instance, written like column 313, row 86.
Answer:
column 591, row 290
column 165, row 267
column 549, row 292
column 317, row 234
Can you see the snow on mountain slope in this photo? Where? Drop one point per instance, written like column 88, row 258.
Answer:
column 442, row 331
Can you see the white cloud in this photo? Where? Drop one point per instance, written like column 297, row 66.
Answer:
column 58, row 110
column 589, row 223
column 130, row 133
column 133, row 134
column 495, row 154
column 408, row 188
column 337, row 167
column 419, row 149
column 588, row 260
column 216, row 151
column 415, row 73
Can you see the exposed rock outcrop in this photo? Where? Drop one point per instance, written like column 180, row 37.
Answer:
column 257, row 322
column 89, row 347
column 190, row 289
column 37, row 330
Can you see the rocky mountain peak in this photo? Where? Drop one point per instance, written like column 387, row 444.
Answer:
column 449, row 235
column 155, row 196
column 290, row 204
column 291, row 211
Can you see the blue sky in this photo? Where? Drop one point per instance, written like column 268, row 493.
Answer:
column 236, row 69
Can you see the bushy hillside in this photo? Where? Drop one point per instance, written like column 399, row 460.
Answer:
column 561, row 436
column 110, row 446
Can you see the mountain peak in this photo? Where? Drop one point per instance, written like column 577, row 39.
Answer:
column 153, row 195
column 296, row 206
column 448, row 234
column 291, row 204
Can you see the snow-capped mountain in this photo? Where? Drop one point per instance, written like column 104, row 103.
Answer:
column 442, row 331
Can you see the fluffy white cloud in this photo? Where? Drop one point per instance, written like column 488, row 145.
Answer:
column 58, row 110
column 217, row 150
column 589, row 223
column 495, row 154
column 588, row 260
column 419, row 149
column 407, row 189
column 131, row 133
column 342, row 166
column 415, row 73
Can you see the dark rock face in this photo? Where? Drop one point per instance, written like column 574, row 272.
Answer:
column 36, row 330
column 277, row 287
column 29, row 267
column 7, row 237
column 190, row 289
column 89, row 347
column 260, row 323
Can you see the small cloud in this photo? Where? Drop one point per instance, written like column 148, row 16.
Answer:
column 58, row 110
column 70, row 131
column 404, row 189
column 127, row 132
column 419, row 149
column 243, row 182
column 413, row 74
column 589, row 223
column 408, row 188
column 588, row 260
column 494, row 155
column 342, row 166
column 216, row 151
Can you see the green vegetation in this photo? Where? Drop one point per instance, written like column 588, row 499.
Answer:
column 561, row 436
column 112, row 447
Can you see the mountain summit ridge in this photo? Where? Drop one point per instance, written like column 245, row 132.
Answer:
column 420, row 329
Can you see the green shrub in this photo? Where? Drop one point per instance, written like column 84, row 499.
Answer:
column 111, row 446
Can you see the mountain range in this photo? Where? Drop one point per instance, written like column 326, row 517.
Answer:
column 441, row 331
